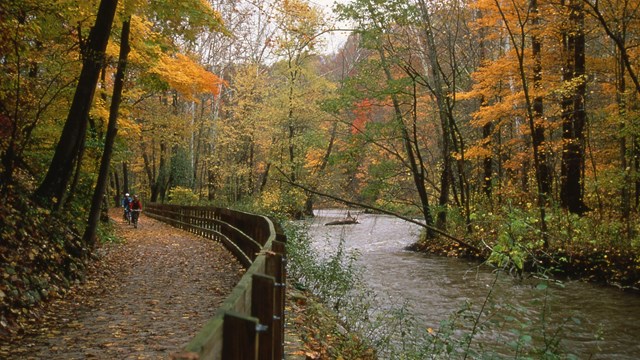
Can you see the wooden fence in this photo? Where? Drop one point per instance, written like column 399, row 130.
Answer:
column 250, row 323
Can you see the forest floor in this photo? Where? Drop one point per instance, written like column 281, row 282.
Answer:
column 144, row 298
column 147, row 295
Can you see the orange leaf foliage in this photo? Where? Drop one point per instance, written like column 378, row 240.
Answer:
column 362, row 112
column 186, row 76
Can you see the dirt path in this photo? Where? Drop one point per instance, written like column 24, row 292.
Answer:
column 144, row 299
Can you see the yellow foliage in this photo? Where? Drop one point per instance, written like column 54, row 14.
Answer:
column 282, row 201
column 128, row 128
column 144, row 41
column 313, row 158
column 478, row 152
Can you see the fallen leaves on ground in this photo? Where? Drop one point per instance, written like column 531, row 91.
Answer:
column 145, row 298
column 313, row 332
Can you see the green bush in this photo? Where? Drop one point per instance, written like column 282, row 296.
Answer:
column 182, row 196
column 394, row 332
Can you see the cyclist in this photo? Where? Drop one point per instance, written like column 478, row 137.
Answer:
column 136, row 207
column 126, row 204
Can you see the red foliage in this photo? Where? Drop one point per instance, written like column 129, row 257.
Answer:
column 362, row 114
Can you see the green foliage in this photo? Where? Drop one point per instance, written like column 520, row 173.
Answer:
column 182, row 196
column 289, row 201
column 336, row 279
column 338, row 282
column 518, row 236
column 187, row 18
column 581, row 246
column 106, row 233
column 181, row 171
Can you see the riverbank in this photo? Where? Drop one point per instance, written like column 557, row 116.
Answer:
column 314, row 332
column 449, row 294
column 611, row 266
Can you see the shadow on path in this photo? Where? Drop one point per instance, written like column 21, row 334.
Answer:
column 144, row 298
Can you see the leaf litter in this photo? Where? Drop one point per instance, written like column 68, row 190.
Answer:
column 144, row 298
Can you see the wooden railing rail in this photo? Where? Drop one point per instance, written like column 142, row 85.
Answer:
column 250, row 322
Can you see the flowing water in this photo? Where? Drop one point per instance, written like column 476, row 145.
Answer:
column 597, row 322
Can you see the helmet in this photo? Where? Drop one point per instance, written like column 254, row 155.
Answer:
column 127, row 194
column 135, row 196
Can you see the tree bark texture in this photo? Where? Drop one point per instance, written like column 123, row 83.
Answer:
column 112, row 131
column 54, row 185
column 446, row 177
column 574, row 116
column 538, row 137
column 125, row 177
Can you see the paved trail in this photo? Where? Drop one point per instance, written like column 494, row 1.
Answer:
column 144, row 299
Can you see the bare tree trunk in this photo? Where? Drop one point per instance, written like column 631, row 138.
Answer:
column 538, row 136
column 125, row 177
column 446, row 176
column 487, row 128
column 413, row 161
column 116, row 179
column 519, row 42
column 264, row 178
column 636, row 169
column 162, row 180
column 487, row 162
column 76, row 176
column 625, row 196
column 61, row 168
column 574, row 116
column 112, row 130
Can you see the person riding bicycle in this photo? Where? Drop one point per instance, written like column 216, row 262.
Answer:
column 136, row 207
column 126, row 204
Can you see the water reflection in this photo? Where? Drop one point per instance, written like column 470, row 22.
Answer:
column 436, row 286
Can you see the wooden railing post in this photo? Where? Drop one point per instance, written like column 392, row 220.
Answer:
column 262, row 296
column 240, row 337
column 275, row 266
column 258, row 243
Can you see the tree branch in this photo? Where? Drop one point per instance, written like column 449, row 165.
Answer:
column 386, row 212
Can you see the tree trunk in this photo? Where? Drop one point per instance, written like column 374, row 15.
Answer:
column 264, row 178
column 211, row 185
column 60, row 170
column 625, row 190
column 116, row 179
column 447, row 172
column 417, row 171
column 125, row 177
column 291, row 129
column 574, row 116
column 636, row 169
column 487, row 128
column 153, row 184
column 76, row 175
column 519, row 43
column 538, row 137
column 487, row 162
column 112, row 130
column 162, row 180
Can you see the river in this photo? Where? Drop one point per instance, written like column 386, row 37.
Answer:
column 598, row 322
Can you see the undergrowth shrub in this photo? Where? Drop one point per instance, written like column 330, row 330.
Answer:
column 394, row 331
column 179, row 195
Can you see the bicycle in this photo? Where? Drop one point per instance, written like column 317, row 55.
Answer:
column 127, row 215
column 135, row 214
